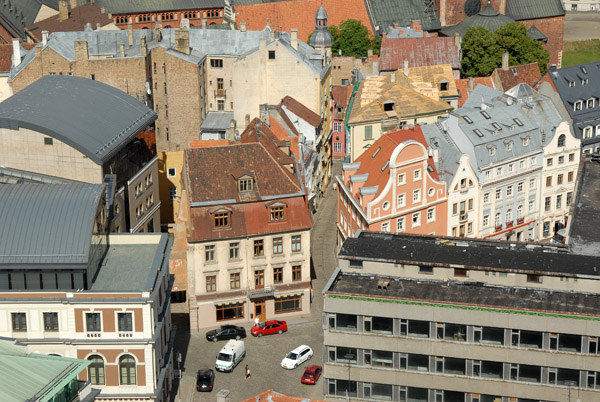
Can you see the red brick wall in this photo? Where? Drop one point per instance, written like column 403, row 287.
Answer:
column 5, row 37
column 455, row 10
column 553, row 28
column 213, row 16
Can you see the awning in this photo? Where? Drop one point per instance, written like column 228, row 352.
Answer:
column 231, row 304
column 289, row 295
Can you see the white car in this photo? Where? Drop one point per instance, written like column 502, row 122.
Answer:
column 296, row 357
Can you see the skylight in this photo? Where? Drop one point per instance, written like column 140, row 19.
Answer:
column 497, row 126
column 468, row 119
column 376, row 152
column 485, row 114
column 519, row 122
column 583, row 70
column 479, row 133
column 386, row 165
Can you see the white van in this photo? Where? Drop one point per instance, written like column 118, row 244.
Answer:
column 230, row 355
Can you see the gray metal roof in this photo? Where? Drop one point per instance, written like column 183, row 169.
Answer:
column 531, row 9
column 142, row 6
column 448, row 153
column 92, row 117
column 488, row 18
column 16, row 176
column 577, row 75
column 216, row 121
column 384, row 13
column 47, row 223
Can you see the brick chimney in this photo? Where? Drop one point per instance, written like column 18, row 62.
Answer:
column 471, row 85
column 505, row 60
column 242, row 27
column 122, row 49
column 204, row 23
column 294, row 40
column 264, row 114
column 457, row 39
column 130, row 32
column 182, row 41
column 63, row 10
column 73, row 4
column 16, row 57
column 406, row 68
column 143, row 46
column 81, row 50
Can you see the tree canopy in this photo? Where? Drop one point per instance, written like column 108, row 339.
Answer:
column 482, row 50
column 353, row 39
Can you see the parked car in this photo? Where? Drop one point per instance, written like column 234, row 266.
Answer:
column 311, row 375
column 226, row 332
column 296, row 357
column 268, row 328
column 205, row 380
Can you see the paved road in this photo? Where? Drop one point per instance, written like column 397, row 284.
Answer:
column 264, row 354
column 580, row 26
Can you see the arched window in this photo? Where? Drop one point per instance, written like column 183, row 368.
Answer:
column 509, row 216
column 519, row 211
column 561, row 140
column 96, row 370
column 127, row 370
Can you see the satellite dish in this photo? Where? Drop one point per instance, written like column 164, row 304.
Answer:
column 148, row 90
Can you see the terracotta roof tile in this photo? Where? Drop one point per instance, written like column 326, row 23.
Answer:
column 301, row 111
column 283, row 135
column 419, row 52
column 462, row 86
column 300, row 14
column 340, row 94
column 78, row 18
column 6, row 52
column 209, row 143
column 512, row 76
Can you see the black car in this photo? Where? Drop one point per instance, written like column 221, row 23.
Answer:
column 205, row 380
column 226, row 332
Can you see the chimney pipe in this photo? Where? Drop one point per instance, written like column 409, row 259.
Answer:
column 505, row 60
column 44, row 38
column 182, row 41
column 63, row 10
column 393, row 77
column 242, row 26
column 16, row 57
column 143, row 46
column 294, row 40
column 406, row 68
column 81, row 50
column 97, row 26
column 73, row 4
column 122, row 49
column 471, row 84
column 158, row 29
column 102, row 10
column 457, row 39
column 204, row 23
column 130, row 32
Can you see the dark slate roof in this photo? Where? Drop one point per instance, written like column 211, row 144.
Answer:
column 569, row 95
column 470, row 294
column 583, row 235
column 384, row 13
column 471, row 253
column 47, row 223
column 535, row 34
column 487, row 18
column 530, row 9
column 17, row 14
column 143, row 6
column 92, row 117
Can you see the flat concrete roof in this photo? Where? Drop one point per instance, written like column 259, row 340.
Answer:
column 132, row 262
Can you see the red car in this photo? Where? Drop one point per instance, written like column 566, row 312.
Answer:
column 269, row 327
column 311, row 375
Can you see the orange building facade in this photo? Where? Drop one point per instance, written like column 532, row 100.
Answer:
column 392, row 187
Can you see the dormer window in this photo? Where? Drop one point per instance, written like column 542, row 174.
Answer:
column 277, row 212
column 525, row 141
column 492, row 151
column 444, row 85
column 590, row 103
column 509, row 146
column 584, row 81
column 221, row 219
column 389, row 106
column 571, row 84
column 578, row 105
column 245, row 184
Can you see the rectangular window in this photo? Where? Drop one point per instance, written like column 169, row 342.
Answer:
column 48, row 141
column 209, row 253
column 570, row 176
column 220, row 83
column 509, row 191
column 245, row 185
column 225, row 313
column 50, row 321
column 211, row 283
column 234, row 251
column 549, row 161
column 221, row 220
column 401, row 201
column 547, row 204
column 125, row 322
column 259, row 278
column 92, row 322
column 417, row 175
column 296, row 243
column 559, row 179
column 416, row 195
column 385, row 227
column 220, row 105
column 271, row 54
column 561, row 159
column 486, row 221
column 368, row 133
column 569, row 198
column 288, row 303
column 520, row 186
column 401, row 179
column 400, row 225
column 549, row 181
column 278, row 275
column 571, row 157
column 499, row 194
column 296, row 273
column 216, row 63
column 234, row 280
column 172, row 193
column 416, row 219
column 337, row 126
column 486, row 198
column 431, row 214
column 277, row 245
column 532, row 183
column 558, row 201
column 259, row 247
column 277, row 213
column 19, row 322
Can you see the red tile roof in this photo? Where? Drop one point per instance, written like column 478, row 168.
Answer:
column 419, row 52
column 301, row 111
column 78, row 18
column 512, row 76
column 209, row 143
column 283, row 135
column 462, row 86
column 373, row 159
column 6, row 52
column 340, row 94
column 300, row 14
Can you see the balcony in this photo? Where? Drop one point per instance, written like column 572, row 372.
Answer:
column 498, row 228
column 220, row 93
column 510, row 224
column 520, row 220
column 261, row 293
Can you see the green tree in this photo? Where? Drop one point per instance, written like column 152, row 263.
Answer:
column 353, row 39
column 480, row 53
column 521, row 49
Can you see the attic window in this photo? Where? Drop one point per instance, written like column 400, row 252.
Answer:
column 485, row 114
column 221, row 220
column 444, row 86
column 519, row 122
column 271, row 54
column 509, row 146
column 479, row 133
column 48, row 141
column 245, row 185
column 277, row 213
column 388, row 106
column 468, row 119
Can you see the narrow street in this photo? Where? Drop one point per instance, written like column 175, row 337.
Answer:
column 264, row 354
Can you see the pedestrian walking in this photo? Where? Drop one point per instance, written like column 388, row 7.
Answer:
column 247, row 374
column 312, row 294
